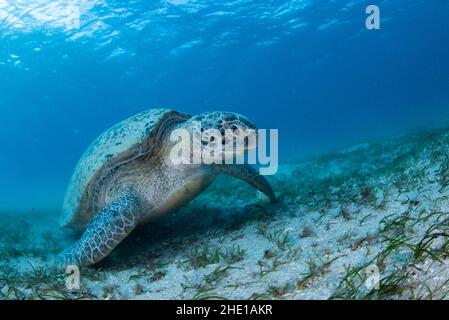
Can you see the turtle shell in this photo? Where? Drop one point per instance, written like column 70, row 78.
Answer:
column 132, row 138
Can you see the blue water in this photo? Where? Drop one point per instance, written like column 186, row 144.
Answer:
column 309, row 68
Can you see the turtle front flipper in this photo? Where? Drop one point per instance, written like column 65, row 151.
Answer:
column 248, row 174
column 112, row 224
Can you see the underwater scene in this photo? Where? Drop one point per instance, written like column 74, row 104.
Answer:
column 217, row 149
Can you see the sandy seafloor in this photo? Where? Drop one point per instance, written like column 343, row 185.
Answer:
column 368, row 222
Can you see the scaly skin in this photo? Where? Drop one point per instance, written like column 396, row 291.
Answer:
column 112, row 224
column 248, row 174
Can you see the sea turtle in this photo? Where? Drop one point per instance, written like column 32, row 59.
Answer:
column 126, row 176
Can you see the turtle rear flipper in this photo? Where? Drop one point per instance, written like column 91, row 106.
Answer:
column 112, row 224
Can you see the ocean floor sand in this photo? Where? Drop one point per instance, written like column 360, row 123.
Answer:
column 368, row 222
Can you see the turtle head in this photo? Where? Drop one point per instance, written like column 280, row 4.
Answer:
column 222, row 121
column 226, row 133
